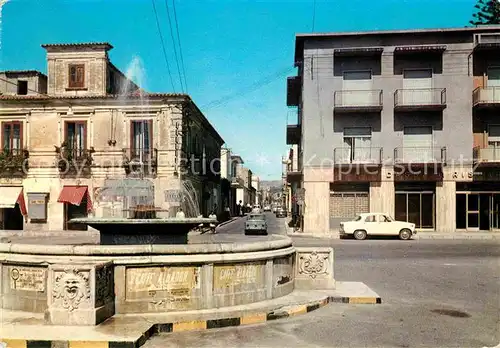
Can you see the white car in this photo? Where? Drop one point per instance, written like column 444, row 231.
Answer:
column 377, row 224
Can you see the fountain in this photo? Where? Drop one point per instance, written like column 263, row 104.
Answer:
column 145, row 264
column 142, row 226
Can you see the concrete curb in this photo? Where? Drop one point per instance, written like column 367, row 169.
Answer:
column 197, row 325
column 492, row 236
column 229, row 221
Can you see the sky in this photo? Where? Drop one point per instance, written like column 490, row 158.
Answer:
column 237, row 54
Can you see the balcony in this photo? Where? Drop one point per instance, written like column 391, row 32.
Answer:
column 140, row 161
column 486, row 42
column 358, row 101
column 486, row 156
column 359, row 155
column 293, row 172
column 293, row 90
column 420, row 155
column 71, row 161
column 293, row 134
column 13, row 162
column 237, row 182
column 431, row 99
column 486, row 98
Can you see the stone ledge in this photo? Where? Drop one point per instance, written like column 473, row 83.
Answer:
column 135, row 330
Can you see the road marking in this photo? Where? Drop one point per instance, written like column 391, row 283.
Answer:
column 449, row 264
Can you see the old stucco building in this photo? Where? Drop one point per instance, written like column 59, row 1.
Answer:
column 66, row 134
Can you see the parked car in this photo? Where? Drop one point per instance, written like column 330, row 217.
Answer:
column 256, row 224
column 267, row 208
column 376, row 224
column 280, row 213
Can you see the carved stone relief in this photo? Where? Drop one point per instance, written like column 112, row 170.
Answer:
column 313, row 264
column 104, row 285
column 72, row 288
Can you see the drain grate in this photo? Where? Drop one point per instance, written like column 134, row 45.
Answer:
column 451, row 313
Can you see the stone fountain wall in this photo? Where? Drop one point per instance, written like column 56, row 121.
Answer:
column 85, row 285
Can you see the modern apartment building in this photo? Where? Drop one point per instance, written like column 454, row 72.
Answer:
column 401, row 122
column 84, row 126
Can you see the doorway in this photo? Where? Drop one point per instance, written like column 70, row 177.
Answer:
column 13, row 219
column 416, row 207
column 72, row 211
column 478, row 211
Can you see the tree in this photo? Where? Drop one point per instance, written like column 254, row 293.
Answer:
column 487, row 12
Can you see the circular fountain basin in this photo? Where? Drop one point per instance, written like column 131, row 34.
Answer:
column 123, row 231
column 211, row 271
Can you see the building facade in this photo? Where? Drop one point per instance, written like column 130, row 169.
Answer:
column 256, row 187
column 68, row 134
column 401, row 122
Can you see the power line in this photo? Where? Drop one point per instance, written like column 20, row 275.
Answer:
column 222, row 101
column 180, row 47
column 163, row 46
column 314, row 16
column 175, row 49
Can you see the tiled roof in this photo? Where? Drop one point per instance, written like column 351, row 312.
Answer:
column 108, row 96
column 82, row 44
column 26, row 72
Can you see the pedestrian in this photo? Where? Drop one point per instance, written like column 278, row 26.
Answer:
column 213, row 224
column 180, row 214
column 239, row 209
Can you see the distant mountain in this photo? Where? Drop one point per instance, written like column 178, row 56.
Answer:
column 276, row 184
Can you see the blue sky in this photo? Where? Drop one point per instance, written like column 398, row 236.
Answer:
column 230, row 47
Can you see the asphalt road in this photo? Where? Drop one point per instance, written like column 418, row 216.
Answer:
column 275, row 226
column 435, row 293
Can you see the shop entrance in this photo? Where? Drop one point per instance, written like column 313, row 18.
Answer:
column 416, row 203
column 478, row 211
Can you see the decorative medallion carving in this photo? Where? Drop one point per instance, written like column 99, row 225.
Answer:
column 72, row 287
column 313, row 264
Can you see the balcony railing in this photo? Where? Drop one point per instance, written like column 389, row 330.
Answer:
column 140, row 161
column 490, row 154
column 486, row 96
column 358, row 155
column 74, row 160
column 13, row 161
column 237, row 182
column 418, row 155
column 418, row 99
column 369, row 100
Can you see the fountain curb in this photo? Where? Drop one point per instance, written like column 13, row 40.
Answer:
column 197, row 325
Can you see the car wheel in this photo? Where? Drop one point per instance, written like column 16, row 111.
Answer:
column 404, row 234
column 360, row 234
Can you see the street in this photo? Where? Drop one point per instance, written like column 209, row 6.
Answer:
column 435, row 293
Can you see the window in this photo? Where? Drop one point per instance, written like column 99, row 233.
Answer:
column 494, row 77
column 384, row 218
column 370, row 218
column 357, row 218
column 358, row 142
column 22, row 87
column 75, row 137
column 142, row 139
column 12, row 137
column 76, row 76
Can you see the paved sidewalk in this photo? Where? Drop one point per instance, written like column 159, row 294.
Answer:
column 334, row 234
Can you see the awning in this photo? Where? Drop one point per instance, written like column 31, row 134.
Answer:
column 12, row 195
column 420, row 49
column 74, row 195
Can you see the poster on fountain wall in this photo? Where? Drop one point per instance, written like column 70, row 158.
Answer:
column 158, row 279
